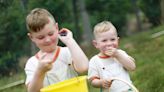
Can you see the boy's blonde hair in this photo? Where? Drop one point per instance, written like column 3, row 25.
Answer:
column 37, row 19
column 103, row 26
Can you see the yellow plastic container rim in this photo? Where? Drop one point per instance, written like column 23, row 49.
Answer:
column 64, row 83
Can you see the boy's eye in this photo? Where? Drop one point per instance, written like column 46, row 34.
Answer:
column 51, row 33
column 104, row 40
column 112, row 39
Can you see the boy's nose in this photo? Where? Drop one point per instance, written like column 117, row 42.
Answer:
column 47, row 39
column 110, row 45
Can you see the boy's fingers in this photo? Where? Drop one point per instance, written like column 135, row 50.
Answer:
column 50, row 61
column 63, row 32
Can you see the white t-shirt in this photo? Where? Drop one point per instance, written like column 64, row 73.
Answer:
column 62, row 68
column 106, row 68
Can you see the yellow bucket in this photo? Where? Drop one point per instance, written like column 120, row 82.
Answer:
column 77, row 84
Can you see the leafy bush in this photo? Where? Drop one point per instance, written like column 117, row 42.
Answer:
column 8, row 64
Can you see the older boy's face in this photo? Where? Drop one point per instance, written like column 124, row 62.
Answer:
column 47, row 38
column 106, row 40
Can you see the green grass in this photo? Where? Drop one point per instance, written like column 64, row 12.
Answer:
column 7, row 80
column 148, row 53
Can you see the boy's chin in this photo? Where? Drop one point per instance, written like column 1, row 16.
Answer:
column 49, row 50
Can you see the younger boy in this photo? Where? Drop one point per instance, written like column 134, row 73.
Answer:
column 52, row 63
column 110, row 62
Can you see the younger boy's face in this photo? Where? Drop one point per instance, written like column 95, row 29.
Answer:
column 106, row 40
column 47, row 38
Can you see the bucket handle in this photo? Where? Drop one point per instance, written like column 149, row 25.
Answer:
column 129, row 84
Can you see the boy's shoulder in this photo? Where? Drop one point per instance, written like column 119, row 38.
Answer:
column 32, row 61
column 32, row 58
column 94, row 58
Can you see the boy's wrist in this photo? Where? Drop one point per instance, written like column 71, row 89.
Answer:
column 101, row 83
column 117, row 53
column 70, row 41
column 40, row 73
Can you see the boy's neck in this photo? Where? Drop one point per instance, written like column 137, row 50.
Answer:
column 42, row 52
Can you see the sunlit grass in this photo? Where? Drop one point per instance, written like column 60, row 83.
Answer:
column 148, row 53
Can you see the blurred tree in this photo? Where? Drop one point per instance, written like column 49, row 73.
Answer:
column 76, row 20
column 5, row 4
column 24, row 4
column 12, row 35
column 136, row 11
column 87, row 35
column 151, row 9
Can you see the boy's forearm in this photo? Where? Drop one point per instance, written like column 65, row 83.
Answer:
column 36, row 83
column 127, row 61
column 80, row 60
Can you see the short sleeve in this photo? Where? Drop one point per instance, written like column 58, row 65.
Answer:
column 93, row 70
column 126, row 54
column 30, row 68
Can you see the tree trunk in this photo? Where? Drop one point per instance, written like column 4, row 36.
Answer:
column 24, row 4
column 162, row 11
column 136, row 11
column 76, row 20
column 32, row 47
column 87, row 35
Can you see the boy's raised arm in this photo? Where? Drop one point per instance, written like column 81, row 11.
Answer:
column 80, row 60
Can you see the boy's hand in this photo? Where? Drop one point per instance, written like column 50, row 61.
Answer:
column 111, row 51
column 65, row 35
column 106, row 83
column 45, row 64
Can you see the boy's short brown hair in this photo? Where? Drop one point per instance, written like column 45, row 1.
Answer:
column 103, row 27
column 37, row 19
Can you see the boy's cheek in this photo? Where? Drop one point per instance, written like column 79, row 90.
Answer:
column 115, row 46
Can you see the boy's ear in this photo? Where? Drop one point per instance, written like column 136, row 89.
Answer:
column 30, row 36
column 56, row 25
column 94, row 43
column 118, row 38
